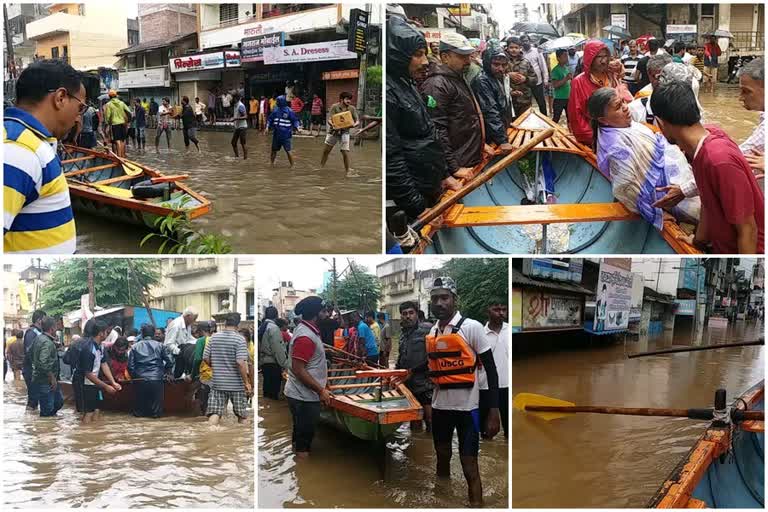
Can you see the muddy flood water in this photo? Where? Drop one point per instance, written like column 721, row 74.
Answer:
column 344, row 472
column 261, row 209
column 123, row 461
column 595, row 460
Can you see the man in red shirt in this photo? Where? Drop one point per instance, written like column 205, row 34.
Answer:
column 732, row 204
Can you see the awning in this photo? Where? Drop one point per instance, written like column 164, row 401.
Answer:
column 153, row 44
column 518, row 279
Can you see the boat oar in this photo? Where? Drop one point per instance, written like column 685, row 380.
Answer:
column 432, row 213
column 353, row 356
column 548, row 408
column 695, row 349
column 380, row 373
column 130, row 169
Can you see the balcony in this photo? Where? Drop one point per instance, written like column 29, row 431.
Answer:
column 55, row 24
column 398, row 288
column 181, row 267
column 748, row 42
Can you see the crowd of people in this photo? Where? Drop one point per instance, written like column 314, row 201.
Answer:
column 449, row 105
column 104, row 359
column 473, row 403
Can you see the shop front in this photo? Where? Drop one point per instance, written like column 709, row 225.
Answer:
column 147, row 83
column 197, row 75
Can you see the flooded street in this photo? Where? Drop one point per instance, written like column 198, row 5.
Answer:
column 595, row 460
column 123, row 461
column 345, row 472
column 259, row 209
column 725, row 110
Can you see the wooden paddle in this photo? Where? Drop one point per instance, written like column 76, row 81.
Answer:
column 359, row 358
column 130, row 169
column 380, row 373
column 548, row 408
column 694, row 349
column 432, row 213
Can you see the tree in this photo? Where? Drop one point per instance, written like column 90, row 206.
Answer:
column 479, row 281
column 116, row 281
column 356, row 290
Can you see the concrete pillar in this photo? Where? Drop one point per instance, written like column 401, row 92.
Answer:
column 645, row 319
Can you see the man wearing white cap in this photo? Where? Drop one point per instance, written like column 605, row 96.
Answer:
column 456, row 347
column 456, row 113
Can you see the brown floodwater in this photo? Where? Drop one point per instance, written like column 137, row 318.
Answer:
column 595, row 460
column 344, row 472
column 261, row 209
column 123, row 461
column 724, row 109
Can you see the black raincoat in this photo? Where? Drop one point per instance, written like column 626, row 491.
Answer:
column 493, row 100
column 415, row 161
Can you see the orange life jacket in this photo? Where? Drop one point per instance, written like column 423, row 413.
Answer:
column 451, row 361
column 338, row 339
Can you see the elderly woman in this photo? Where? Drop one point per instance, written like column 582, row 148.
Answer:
column 637, row 160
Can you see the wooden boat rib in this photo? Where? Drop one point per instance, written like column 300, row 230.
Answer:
column 491, row 219
column 179, row 397
column 99, row 185
column 725, row 468
column 362, row 407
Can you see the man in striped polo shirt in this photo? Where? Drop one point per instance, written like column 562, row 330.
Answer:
column 37, row 211
column 227, row 355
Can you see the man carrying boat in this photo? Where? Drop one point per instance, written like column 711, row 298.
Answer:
column 149, row 363
column 307, row 375
column 88, row 361
column 272, row 355
column 227, row 355
column 456, row 346
column 412, row 356
column 201, row 370
column 365, row 333
column 38, row 217
column 385, row 346
column 494, row 102
column 31, row 334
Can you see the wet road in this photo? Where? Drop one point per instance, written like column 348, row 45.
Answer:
column 345, row 472
column 591, row 460
column 263, row 210
column 724, row 109
column 123, row 461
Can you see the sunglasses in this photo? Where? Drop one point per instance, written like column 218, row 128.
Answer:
column 81, row 108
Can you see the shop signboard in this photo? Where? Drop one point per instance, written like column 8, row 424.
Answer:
column 313, row 52
column 232, row 58
column 685, row 33
column 550, row 310
column 252, row 48
column 619, row 20
column 461, row 10
column 341, row 74
column 433, row 35
column 143, row 78
column 199, row 62
column 614, row 298
column 685, row 307
column 517, row 310
column 636, row 307
column 357, row 40
column 691, row 272
column 567, row 269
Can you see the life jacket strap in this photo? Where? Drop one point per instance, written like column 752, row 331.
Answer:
column 461, row 385
column 453, row 371
column 443, row 355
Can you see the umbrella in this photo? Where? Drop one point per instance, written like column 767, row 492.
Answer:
column 576, row 34
column 719, row 33
column 535, row 28
column 617, row 31
column 562, row 42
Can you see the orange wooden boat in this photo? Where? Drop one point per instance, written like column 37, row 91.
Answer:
column 496, row 218
column 365, row 406
column 726, row 466
column 100, row 184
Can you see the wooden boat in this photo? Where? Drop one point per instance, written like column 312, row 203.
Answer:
column 100, row 184
column 491, row 219
column 725, row 468
column 179, row 397
column 363, row 407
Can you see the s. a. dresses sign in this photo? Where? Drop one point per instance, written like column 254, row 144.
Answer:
column 330, row 50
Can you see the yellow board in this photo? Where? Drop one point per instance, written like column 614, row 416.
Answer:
column 132, row 169
column 123, row 193
column 522, row 400
column 517, row 310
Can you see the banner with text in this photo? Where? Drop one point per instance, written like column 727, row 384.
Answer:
column 614, row 298
column 547, row 310
column 314, row 52
column 252, row 48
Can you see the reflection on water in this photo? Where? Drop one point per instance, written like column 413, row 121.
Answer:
column 261, row 209
column 345, row 472
column 123, row 461
column 595, row 460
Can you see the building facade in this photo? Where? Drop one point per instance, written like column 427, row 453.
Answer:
column 19, row 15
column 285, row 297
column 401, row 282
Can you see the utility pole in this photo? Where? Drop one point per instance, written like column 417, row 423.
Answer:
column 91, row 291
column 361, row 79
column 11, row 62
column 334, row 284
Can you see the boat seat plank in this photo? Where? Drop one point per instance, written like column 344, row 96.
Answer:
column 78, row 159
column 366, row 396
column 470, row 216
column 353, row 386
column 90, row 169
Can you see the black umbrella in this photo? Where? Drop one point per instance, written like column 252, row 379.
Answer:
column 617, row 31
column 719, row 33
column 544, row 29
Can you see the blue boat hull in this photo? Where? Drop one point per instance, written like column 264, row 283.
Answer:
column 576, row 182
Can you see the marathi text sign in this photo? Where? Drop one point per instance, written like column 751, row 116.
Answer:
column 517, row 310
column 614, row 298
column 358, row 31
column 685, row 307
column 314, row 52
column 197, row 62
column 252, row 48
column 341, row 74
column 545, row 310
column 433, row 35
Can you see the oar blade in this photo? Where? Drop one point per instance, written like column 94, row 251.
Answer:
column 521, row 400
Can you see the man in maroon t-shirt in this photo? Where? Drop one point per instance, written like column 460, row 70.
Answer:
column 732, row 204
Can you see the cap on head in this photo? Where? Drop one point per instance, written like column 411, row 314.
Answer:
column 444, row 283
column 457, row 43
column 112, row 93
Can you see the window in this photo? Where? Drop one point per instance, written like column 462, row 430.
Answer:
column 7, row 268
column 707, row 9
column 132, row 62
column 228, row 13
column 55, row 52
column 65, row 50
column 81, row 9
